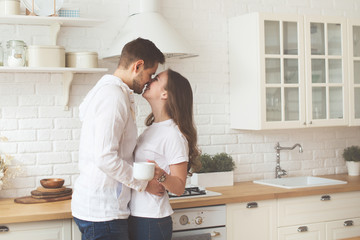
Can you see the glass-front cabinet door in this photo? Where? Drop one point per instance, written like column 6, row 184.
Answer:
column 283, row 71
column 354, row 78
column 292, row 71
column 326, row 72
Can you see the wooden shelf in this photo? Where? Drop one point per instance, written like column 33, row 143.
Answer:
column 67, row 76
column 51, row 70
column 54, row 23
column 37, row 20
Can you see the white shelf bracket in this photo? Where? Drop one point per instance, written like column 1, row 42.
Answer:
column 67, row 78
column 54, row 31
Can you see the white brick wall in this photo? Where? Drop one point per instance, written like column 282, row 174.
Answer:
column 44, row 138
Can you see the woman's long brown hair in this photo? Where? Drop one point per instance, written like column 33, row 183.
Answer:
column 179, row 107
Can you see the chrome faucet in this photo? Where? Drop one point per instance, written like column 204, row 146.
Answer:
column 279, row 172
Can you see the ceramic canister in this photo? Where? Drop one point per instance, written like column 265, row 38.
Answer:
column 9, row 7
column 82, row 59
column 46, row 56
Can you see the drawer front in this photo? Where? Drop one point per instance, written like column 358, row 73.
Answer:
column 343, row 229
column 44, row 230
column 326, row 207
column 243, row 220
column 303, row 232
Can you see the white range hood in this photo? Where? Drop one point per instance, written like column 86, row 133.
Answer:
column 145, row 21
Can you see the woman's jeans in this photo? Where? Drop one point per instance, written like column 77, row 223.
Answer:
column 150, row 228
column 109, row 230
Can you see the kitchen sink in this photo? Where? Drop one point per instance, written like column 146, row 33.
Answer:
column 299, row 182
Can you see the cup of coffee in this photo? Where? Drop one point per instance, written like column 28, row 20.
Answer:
column 144, row 170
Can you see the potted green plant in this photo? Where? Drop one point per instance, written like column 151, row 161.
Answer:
column 352, row 157
column 217, row 170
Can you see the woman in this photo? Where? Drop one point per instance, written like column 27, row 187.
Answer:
column 170, row 141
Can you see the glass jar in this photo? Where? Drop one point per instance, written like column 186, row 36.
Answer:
column 1, row 56
column 15, row 54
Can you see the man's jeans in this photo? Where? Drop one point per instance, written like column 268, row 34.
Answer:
column 109, row 230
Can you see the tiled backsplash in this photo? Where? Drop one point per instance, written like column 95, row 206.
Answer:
column 44, row 138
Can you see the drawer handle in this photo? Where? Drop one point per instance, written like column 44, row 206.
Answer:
column 325, row 198
column 4, row 229
column 348, row 223
column 302, row 229
column 252, row 205
column 215, row 234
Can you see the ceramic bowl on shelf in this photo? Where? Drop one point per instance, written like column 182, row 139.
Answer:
column 52, row 182
column 81, row 59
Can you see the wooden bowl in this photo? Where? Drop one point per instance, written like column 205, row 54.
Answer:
column 52, row 182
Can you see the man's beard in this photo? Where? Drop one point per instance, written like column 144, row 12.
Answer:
column 137, row 88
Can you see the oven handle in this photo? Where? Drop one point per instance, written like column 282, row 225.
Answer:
column 215, row 234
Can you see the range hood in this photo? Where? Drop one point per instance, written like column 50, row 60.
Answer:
column 145, row 21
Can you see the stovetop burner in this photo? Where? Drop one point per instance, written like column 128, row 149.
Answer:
column 189, row 191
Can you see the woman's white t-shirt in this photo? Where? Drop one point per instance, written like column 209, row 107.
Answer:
column 164, row 143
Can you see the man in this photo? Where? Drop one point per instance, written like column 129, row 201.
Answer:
column 108, row 138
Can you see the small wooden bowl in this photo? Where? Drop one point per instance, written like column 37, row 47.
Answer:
column 52, row 182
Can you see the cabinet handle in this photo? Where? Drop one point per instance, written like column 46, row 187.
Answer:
column 4, row 229
column 302, row 229
column 310, row 122
column 325, row 198
column 348, row 223
column 252, row 205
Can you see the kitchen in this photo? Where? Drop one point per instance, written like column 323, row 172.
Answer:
column 43, row 137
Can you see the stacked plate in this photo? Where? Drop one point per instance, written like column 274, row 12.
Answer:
column 48, row 193
column 43, row 7
column 52, row 190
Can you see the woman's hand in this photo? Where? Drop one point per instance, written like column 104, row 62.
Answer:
column 176, row 180
column 155, row 188
column 158, row 171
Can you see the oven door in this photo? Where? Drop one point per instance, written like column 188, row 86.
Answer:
column 218, row 233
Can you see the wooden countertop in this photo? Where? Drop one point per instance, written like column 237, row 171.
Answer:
column 249, row 191
column 11, row 212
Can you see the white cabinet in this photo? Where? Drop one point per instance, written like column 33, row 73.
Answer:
column 266, row 57
column 308, row 232
column 322, row 231
column 319, row 217
column 354, row 71
column 325, row 217
column 44, row 230
column 326, row 68
column 75, row 232
column 343, row 229
column 251, row 221
column 287, row 71
column 54, row 23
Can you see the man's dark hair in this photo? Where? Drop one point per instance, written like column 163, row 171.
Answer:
column 141, row 49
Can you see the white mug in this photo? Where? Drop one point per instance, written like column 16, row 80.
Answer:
column 144, row 170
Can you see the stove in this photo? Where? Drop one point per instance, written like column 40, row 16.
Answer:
column 207, row 222
column 193, row 192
